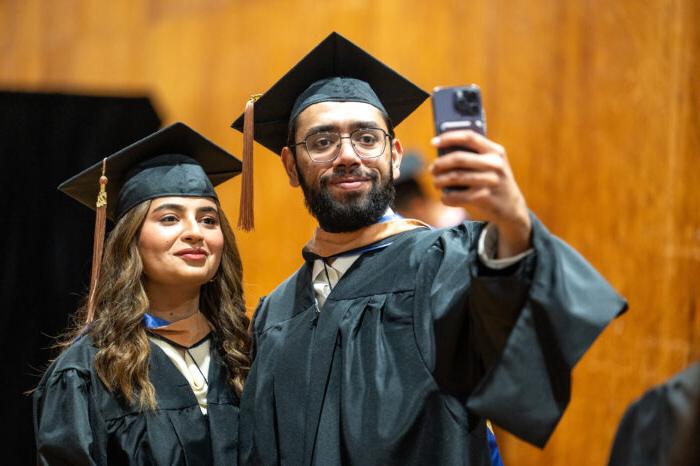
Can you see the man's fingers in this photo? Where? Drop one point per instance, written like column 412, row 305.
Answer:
column 462, row 178
column 481, row 179
column 469, row 139
column 467, row 161
column 466, row 197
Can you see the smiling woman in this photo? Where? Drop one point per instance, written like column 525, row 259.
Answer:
column 155, row 377
column 180, row 244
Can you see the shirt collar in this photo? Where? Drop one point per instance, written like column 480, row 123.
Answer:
column 340, row 264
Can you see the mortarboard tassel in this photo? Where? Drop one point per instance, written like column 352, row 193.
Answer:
column 245, row 216
column 98, row 242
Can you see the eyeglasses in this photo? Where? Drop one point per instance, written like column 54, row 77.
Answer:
column 324, row 147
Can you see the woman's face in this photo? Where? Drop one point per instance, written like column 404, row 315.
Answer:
column 181, row 241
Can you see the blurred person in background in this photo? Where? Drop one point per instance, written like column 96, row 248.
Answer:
column 662, row 427
column 411, row 200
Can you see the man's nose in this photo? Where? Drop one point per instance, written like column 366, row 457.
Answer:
column 346, row 154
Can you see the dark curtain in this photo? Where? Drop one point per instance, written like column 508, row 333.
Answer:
column 46, row 236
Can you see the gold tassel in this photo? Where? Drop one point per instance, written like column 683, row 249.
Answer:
column 98, row 242
column 246, row 220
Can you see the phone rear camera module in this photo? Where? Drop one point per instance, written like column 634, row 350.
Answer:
column 466, row 102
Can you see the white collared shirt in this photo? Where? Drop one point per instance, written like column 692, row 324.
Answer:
column 194, row 366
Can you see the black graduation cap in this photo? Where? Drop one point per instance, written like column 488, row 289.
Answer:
column 335, row 57
column 174, row 161
column 336, row 70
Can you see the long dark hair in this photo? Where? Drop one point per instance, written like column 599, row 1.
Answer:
column 121, row 302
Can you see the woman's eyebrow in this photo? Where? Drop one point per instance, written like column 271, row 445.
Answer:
column 171, row 206
column 181, row 208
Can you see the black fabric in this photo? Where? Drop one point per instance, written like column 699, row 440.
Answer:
column 414, row 349
column 79, row 422
column 174, row 161
column 47, row 237
column 165, row 175
column 653, row 427
column 336, row 89
column 333, row 57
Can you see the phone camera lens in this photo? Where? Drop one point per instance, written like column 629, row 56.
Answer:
column 466, row 102
column 461, row 103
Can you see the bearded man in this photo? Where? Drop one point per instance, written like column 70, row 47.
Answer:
column 394, row 343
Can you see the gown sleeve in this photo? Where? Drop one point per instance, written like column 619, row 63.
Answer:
column 567, row 305
column 62, row 421
column 509, row 339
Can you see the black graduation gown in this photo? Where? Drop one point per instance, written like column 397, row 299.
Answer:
column 77, row 421
column 414, row 348
column 656, row 424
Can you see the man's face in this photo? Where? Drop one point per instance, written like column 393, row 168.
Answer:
column 349, row 192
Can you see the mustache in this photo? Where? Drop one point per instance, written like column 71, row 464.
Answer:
column 342, row 172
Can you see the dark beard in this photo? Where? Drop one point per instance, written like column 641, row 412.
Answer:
column 357, row 210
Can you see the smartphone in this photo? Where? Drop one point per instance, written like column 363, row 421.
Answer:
column 458, row 108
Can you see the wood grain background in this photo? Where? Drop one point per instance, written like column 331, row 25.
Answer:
column 597, row 102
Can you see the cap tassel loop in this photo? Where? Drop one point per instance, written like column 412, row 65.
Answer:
column 246, row 220
column 98, row 242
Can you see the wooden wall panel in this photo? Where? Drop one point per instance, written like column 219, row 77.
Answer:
column 597, row 103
